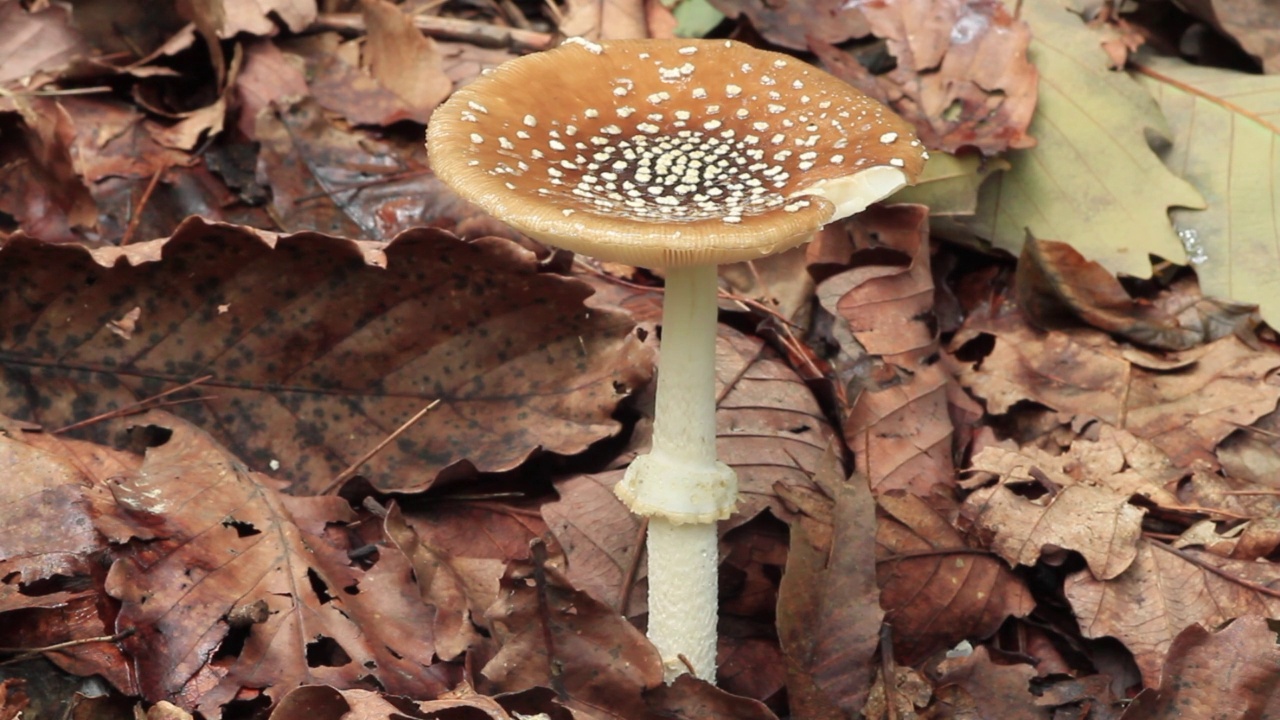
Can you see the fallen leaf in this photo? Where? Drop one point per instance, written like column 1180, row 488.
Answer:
column 1092, row 180
column 323, row 355
column 974, row 686
column 790, row 23
column 1227, row 673
column 555, row 636
column 1035, row 506
column 226, row 538
column 404, row 60
column 961, row 74
column 899, row 424
column 1165, row 591
column 935, row 589
column 1254, row 25
column 605, row 19
column 1224, row 125
column 35, row 42
column 1184, row 403
column 458, row 589
column 829, row 612
column 1056, row 283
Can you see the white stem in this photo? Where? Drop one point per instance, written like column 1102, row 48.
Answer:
column 679, row 484
column 682, row 596
column 684, row 426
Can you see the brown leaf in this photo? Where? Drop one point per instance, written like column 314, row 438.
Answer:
column 225, row 539
column 1254, row 26
column 1185, row 403
column 974, row 686
column 1162, row 593
column 258, row 17
column 458, row 589
column 404, row 60
column 689, row 698
column 961, row 73
column 319, row 355
column 899, row 425
column 935, row 590
column 1225, row 674
column 829, row 612
column 601, row 540
column 605, row 19
column 790, row 23
column 35, row 43
column 1035, row 506
column 555, row 636
column 1054, row 282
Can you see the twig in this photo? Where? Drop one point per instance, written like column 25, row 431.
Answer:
column 887, row 673
column 142, row 204
column 28, row 653
column 137, row 407
column 1262, row 589
column 353, row 467
column 471, row 31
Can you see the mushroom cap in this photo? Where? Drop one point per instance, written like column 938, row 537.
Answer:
column 663, row 153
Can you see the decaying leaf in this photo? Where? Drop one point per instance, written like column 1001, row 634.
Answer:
column 791, row 23
column 224, row 538
column 961, row 73
column 1228, row 673
column 1184, row 403
column 557, row 637
column 829, row 612
column 320, row 356
column 1034, row 506
column 899, row 425
column 1165, row 591
column 935, row 589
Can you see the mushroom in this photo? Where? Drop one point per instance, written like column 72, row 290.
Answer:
column 674, row 154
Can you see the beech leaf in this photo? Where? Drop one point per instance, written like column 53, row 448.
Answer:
column 313, row 355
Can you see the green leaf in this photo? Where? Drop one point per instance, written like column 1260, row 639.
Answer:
column 1092, row 180
column 1225, row 131
column 694, row 18
column 949, row 184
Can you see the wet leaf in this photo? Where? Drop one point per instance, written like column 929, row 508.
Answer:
column 316, row 356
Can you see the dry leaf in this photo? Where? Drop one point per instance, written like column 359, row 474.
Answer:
column 322, row 354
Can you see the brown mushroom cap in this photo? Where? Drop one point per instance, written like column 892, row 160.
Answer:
column 664, row 153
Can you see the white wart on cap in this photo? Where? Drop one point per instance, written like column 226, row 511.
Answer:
column 664, row 153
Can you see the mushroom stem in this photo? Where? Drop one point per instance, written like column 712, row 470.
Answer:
column 679, row 484
column 682, row 596
column 685, row 409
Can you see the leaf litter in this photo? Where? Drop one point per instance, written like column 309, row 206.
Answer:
column 340, row 443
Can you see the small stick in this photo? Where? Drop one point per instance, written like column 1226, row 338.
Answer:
column 28, row 653
column 137, row 407
column 477, row 33
column 887, row 673
column 351, row 469
column 142, row 204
